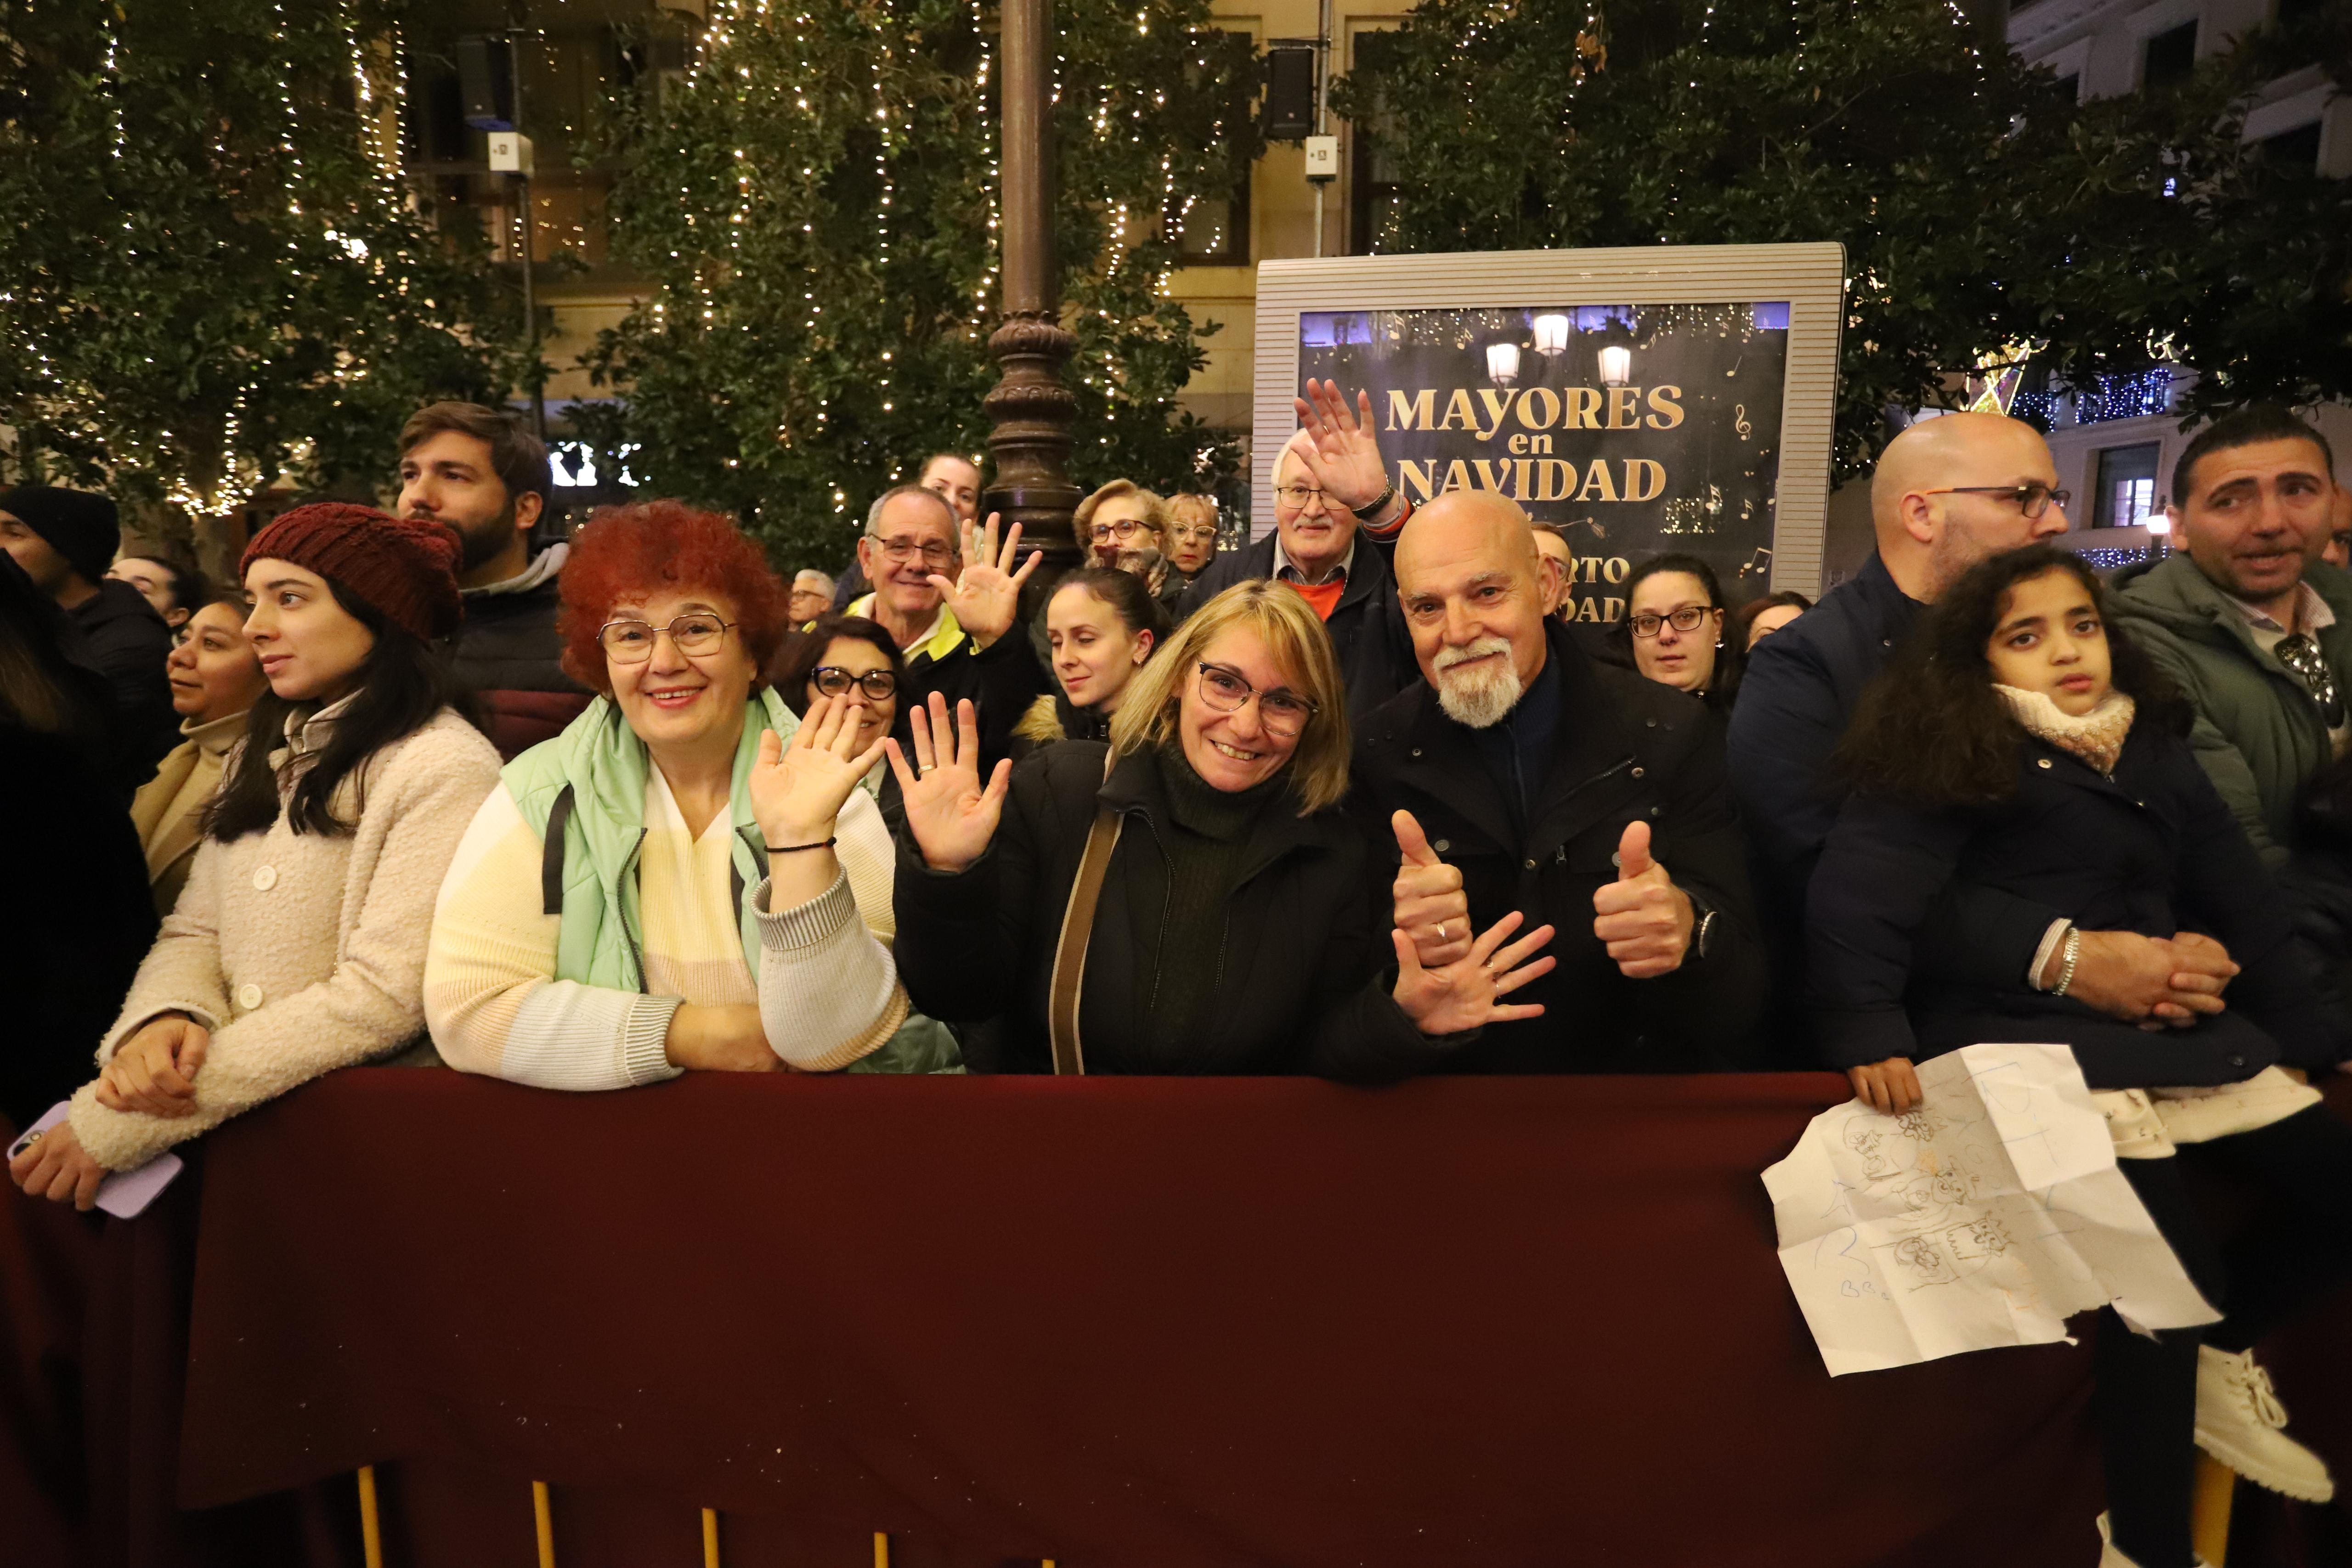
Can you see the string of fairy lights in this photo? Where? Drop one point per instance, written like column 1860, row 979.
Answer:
column 316, row 239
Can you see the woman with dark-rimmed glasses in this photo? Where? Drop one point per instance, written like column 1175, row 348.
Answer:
column 851, row 660
column 720, row 882
column 1186, row 898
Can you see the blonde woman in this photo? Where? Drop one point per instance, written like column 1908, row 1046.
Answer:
column 1233, row 931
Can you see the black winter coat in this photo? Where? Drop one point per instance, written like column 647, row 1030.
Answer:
column 1626, row 748
column 1298, row 983
column 2152, row 850
column 510, row 655
column 1369, row 635
column 118, row 633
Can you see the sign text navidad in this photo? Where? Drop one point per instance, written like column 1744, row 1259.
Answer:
column 1524, row 468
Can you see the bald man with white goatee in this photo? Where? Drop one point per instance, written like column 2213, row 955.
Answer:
column 1521, row 779
column 1948, row 493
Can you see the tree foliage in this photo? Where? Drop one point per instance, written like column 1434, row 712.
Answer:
column 814, row 206
column 1981, row 209
column 209, row 276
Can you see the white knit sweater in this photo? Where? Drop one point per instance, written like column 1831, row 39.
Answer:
column 301, row 952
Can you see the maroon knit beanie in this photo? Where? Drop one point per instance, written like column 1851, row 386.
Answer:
column 406, row 566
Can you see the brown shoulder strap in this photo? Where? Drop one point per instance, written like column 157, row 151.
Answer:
column 1077, row 929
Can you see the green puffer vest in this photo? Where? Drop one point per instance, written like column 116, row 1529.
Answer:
column 590, row 781
column 2259, row 732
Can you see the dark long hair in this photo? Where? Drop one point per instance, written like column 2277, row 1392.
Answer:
column 400, row 686
column 1932, row 730
column 807, row 651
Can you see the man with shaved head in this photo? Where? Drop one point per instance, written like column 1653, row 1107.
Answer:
column 1524, row 779
column 1948, row 493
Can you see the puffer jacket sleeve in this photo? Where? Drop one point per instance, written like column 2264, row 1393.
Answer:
column 418, row 808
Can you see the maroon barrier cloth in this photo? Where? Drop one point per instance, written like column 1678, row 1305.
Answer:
column 1115, row 1322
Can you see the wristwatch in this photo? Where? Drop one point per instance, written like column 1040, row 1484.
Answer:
column 1702, row 924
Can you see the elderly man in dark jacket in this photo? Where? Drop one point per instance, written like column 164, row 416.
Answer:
column 64, row 540
column 1948, row 493
column 1333, row 554
column 1525, row 776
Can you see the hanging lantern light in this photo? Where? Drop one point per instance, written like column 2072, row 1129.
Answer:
column 1551, row 334
column 1502, row 363
column 1616, row 365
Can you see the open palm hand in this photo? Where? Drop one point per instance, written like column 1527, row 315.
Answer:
column 1468, row 993
column 798, row 787
column 951, row 815
column 986, row 595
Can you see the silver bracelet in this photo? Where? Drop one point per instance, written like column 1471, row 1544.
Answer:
column 2072, row 954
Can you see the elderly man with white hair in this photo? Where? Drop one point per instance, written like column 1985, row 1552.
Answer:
column 811, row 596
column 1336, row 518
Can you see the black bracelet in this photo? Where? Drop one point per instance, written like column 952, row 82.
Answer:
column 796, row 849
column 1378, row 504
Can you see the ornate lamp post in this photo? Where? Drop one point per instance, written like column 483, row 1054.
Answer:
column 1030, row 411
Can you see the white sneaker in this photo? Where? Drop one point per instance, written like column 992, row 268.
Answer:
column 2113, row 1556
column 2241, row 1422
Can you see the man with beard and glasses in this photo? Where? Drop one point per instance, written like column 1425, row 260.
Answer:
column 481, row 472
column 1524, row 776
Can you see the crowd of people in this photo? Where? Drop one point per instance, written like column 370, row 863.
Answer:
column 1361, row 799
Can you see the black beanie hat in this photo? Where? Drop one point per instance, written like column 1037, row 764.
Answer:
column 84, row 528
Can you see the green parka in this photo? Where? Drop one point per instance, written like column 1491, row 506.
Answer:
column 2259, row 734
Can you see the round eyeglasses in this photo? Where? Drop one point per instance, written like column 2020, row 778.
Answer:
column 631, row 641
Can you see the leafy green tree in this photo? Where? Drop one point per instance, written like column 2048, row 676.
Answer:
column 1982, row 213
column 814, row 205
column 211, row 275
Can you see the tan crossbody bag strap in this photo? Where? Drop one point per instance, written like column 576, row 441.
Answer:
column 1070, row 952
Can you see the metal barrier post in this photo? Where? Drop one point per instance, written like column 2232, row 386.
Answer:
column 2210, row 1495
column 370, row 1525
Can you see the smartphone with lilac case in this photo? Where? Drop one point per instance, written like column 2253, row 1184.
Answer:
column 123, row 1194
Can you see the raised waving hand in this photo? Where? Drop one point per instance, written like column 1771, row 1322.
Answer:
column 986, row 594
column 1345, row 457
column 951, row 816
column 798, row 787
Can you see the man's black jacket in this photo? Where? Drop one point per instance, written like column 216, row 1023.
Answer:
column 1626, row 750
column 118, row 632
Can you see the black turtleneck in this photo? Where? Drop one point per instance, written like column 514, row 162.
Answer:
column 1204, row 840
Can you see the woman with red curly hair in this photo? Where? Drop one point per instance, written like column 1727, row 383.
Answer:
column 718, row 887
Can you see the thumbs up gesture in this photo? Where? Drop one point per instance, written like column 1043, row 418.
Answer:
column 1642, row 917
column 1432, row 909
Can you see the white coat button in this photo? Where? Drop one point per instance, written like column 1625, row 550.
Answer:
column 248, row 995
column 2043, row 761
column 265, row 878
column 1442, row 845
